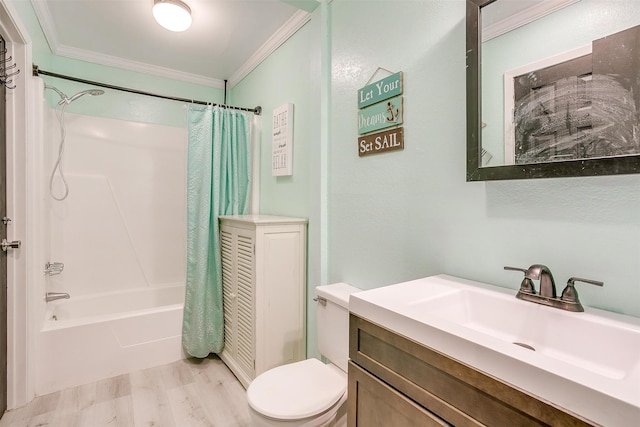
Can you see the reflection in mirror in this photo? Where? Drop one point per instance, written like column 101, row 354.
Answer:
column 559, row 92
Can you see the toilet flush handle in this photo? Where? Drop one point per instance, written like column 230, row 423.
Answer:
column 321, row 301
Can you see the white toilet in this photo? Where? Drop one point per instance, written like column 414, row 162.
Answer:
column 310, row 393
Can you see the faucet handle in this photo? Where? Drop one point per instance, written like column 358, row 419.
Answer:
column 527, row 284
column 570, row 294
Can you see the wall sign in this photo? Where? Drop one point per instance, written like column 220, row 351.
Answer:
column 380, row 108
column 282, row 141
column 380, row 116
column 380, row 90
column 382, row 141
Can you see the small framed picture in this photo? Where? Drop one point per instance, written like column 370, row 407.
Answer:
column 282, row 141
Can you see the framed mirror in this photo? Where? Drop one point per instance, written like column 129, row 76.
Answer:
column 553, row 88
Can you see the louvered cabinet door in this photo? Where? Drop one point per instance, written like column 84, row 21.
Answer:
column 245, row 306
column 237, row 253
column 228, row 287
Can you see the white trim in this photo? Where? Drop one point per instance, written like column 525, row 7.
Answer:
column 19, row 344
column 523, row 17
column 509, row 95
column 297, row 21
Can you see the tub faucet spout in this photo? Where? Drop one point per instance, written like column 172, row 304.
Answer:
column 52, row 296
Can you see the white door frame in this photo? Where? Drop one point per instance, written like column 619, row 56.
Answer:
column 19, row 141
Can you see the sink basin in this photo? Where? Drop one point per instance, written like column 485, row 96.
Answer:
column 579, row 361
column 586, row 341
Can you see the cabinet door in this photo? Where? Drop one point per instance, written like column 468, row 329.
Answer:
column 372, row 403
column 237, row 250
column 280, row 333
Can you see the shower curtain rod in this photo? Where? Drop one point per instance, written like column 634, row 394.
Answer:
column 37, row 71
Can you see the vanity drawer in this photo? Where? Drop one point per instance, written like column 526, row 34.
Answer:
column 376, row 404
column 452, row 390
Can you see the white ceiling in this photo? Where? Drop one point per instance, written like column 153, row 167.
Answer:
column 228, row 38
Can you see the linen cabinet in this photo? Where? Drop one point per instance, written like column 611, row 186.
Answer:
column 264, row 282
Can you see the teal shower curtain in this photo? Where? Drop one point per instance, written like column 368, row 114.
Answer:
column 218, row 182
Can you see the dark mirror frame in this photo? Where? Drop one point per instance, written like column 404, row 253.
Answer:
column 571, row 168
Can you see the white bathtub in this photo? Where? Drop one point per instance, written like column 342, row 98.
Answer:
column 86, row 339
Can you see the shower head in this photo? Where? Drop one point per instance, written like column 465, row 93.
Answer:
column 90, row 92
column 62, row 95
column 64, row 99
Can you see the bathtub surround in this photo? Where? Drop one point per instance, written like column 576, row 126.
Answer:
column 126, row 284
column 218, row 183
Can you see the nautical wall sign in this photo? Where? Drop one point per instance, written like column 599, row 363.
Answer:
column 282, row 141
column 380, row 90
column 380, row 116
column 382, row 141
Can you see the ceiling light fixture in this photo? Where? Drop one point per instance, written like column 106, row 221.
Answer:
column 173, row 15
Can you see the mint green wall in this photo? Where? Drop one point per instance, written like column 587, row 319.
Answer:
column 113, row 104
column 404, row 215
column 284, row 77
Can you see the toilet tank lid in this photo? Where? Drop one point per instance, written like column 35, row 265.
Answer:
column 337, row 293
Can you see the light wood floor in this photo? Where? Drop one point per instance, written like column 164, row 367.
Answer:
column 186, row 393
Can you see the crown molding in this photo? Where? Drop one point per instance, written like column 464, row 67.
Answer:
column 523, row 17
column 140, row 67
column 46, row 23
column 297, row 21
column 43, row 14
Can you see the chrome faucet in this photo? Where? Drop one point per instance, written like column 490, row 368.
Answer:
column 567, row 301
column 542, row 273
column 52, row 296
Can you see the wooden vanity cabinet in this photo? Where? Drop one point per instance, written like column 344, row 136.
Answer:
column 395, row 381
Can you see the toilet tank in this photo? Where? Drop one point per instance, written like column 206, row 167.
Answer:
column 333, row 322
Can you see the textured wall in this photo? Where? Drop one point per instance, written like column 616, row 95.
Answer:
column 407, row 214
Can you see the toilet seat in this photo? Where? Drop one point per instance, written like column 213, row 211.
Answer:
column 298, row 390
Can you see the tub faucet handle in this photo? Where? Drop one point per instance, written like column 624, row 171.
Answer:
column 53, row 268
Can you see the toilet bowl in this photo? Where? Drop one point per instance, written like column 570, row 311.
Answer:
column 309, row 393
